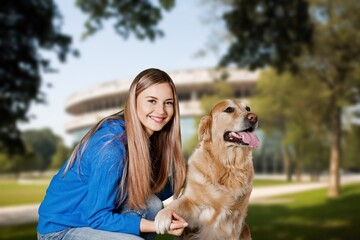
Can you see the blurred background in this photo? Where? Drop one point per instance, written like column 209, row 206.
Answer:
column 66, row 64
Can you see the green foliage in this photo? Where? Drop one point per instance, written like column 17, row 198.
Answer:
column 351, row 145
column 43, row 150
column 130, row 17
column 279, row 33
column 286, row 107
column 335, row 58
column 61, row 155
column 27, row 28
column 267, row 32
column 190, row 145
column 43, row 143
column 17, row 163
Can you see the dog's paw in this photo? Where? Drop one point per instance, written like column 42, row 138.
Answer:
column 163, row 221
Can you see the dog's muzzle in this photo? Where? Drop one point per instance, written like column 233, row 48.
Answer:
column 247, row 136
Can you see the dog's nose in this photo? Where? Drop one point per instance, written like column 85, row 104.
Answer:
column 252, row 118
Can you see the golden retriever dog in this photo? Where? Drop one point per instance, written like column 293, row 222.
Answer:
column 219, row 179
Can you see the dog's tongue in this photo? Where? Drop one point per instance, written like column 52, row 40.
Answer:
column 250, row 138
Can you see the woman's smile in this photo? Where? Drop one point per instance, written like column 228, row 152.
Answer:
column 157, row 119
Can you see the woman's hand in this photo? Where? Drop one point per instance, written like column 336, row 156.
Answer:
column 177, row 226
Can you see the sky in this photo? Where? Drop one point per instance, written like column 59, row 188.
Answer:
column 107, row 57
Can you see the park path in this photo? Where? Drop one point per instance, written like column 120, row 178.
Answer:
column 259, row 194
column 14, row 215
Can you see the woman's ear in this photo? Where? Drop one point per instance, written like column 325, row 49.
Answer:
column 204, row 128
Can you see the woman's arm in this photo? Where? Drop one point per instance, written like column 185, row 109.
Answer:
column 104, row 160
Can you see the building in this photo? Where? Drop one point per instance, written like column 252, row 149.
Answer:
column 89, row 106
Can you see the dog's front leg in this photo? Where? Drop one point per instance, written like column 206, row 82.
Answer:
column 163, row 219
column 183, row 207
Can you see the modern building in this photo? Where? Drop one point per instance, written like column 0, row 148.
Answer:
column 89, row 106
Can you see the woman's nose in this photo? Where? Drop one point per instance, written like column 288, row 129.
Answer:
column 160, row 108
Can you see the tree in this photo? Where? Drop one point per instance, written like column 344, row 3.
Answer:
column 331, row 56
column 61, row 154
column 137, row 17
column 28, row 27
column 267, row 32
column 287, row 109
column 17, row 163
column 273, row 116
column 43, row 143
column 43, row 150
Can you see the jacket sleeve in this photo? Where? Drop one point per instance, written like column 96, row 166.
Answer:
column 106, row 161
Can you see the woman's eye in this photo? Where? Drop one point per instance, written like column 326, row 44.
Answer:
column 151, row 101
column 169, row 103
column 229, row 110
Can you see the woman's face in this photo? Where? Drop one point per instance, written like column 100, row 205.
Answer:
column 155, row 107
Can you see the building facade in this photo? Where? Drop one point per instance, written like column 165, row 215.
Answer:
column 89, row 106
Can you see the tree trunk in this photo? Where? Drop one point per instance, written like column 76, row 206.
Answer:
column 287, row 164
column 334, row 171
column 298, row 170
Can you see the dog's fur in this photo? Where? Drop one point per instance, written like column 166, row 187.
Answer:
column 219, row 180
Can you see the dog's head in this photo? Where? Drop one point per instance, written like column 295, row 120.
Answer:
column 232, row 122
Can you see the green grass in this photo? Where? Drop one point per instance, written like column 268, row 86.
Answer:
column 266, row 182
column 13, row 193
column 309, row 215
column 303, row 216
column 19, row 232
column 164, row 237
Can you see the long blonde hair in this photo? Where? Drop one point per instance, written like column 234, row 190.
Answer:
column 146, row 172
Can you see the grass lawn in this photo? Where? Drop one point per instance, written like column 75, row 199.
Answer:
column 13, row 193
column 267, row 182
column 309, row 215
column 302, row 216
column 19, row 232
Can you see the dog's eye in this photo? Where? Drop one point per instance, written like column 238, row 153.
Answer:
column 229, row 110
column 247, row 109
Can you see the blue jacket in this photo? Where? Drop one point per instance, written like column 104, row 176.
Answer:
column 86, row 195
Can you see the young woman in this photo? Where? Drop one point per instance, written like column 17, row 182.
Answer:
column 114, row 182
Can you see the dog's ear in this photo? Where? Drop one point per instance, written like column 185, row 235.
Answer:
column 204, row 128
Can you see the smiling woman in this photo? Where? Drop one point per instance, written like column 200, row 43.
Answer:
column 118, row 175
column 155, row 107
